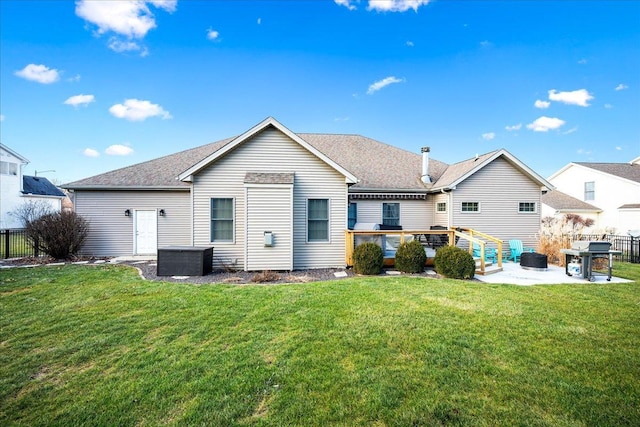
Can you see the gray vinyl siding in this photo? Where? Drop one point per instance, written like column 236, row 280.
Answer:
column 499, row 187
column 272, row 151
column 269, row 209
column 441, row 218
column 414, row 214
column 111, row 232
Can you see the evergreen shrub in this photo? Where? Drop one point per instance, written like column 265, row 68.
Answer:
column 367, row 259
column 455, row 263
column 410, row 257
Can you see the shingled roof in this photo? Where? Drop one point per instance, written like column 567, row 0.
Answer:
column 630, row 171
column 562, row 202
column 40, row 186
column 377, row 166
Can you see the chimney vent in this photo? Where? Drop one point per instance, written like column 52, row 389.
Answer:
column 425, row 165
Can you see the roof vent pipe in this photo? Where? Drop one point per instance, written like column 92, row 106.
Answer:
column 425, row 165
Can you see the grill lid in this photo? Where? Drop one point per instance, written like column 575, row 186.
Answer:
column 591, row 246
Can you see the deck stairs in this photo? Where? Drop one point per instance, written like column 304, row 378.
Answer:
column 489, row 267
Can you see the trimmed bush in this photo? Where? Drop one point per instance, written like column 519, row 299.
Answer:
column 455, row 263
column 367, row 259
column 410, row 257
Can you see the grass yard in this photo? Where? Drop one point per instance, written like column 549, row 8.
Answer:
column 98, row 346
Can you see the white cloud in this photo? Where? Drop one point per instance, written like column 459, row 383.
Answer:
column 541, row 104
column 129, row 18
column 488, row 136
column 259, row 21
column 618, row 148
column 118, row 150
column 138, row 110
column 622, row 87
column 608, row 106
column 544, row 124
column 514, row 127
column 579, row 97
column 582, row 61
column 486, row 44
column 410, row 43
column 346, row 3
column 341, row 119
column 117, row 45
column 39, row 73
column 572, row 130
column 90, row 152
column 80, row 100
column 583, row 151
column 1, row 117
column 212, row 34
column 382, row 83
column 396, row 5
column 75, row 78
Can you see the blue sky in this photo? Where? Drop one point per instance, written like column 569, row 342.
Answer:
column 89, row 86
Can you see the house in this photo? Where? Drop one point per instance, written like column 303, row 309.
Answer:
column 557, row 204
column 274, row 199
column 612, row 188
column 17, row 188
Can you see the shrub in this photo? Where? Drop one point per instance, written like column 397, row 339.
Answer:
column 265, row 276
column 453, row 262
column 410, row 257
column 58, row 234
column 367, row 259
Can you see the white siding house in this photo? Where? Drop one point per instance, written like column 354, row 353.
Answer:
column 613, row 188
column 17, row 188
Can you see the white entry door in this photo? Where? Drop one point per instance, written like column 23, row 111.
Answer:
column 146, row 233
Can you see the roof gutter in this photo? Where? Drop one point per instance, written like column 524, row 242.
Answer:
column 125, row 188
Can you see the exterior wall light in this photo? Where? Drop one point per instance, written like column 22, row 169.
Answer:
column 161, row 212
column 127, row 212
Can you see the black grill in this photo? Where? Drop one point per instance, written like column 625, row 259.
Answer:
column 579, row 259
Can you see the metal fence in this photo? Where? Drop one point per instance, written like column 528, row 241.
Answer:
column 629, row 246
column 15, row 244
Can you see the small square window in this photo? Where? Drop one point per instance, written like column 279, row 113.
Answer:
column 441, row 207
column 470, row 206
column 527, row 207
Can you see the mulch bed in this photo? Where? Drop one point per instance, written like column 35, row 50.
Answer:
column 148, row 270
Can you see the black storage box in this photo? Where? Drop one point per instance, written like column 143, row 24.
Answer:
column 185, row 260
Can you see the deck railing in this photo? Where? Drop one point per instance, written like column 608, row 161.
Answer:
column 453, row 237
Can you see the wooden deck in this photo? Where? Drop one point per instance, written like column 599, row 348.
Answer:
column 430, row 239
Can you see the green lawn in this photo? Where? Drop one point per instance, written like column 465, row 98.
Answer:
column 98, row 346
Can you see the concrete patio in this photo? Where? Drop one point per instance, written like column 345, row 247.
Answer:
column 514, row 274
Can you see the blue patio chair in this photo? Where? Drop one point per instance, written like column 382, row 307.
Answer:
column 490, row 254
column 516, row 249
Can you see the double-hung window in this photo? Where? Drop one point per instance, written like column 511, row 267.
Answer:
column 589, row 190
column 391, row 214
column 8, row 168
column 222, row 220
column 318, row 220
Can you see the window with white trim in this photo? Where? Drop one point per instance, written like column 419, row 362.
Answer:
column 318, row 220
column 391, row 214
column 527, row 207
column 8, row 168
column 222, row 220
column 441, row 207
column 590, row 190
column 470, row 207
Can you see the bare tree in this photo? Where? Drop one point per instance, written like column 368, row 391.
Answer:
column 31, row 210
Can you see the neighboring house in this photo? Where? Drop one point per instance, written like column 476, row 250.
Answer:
column 558, row 204
column 16, row 188
column 613, row 188
column 302, row 191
